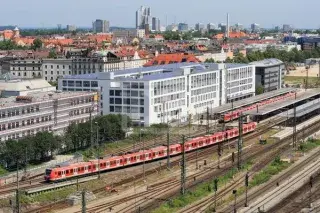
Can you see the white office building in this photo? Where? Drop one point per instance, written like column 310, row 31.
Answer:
column 22, row 116
column 166, row 93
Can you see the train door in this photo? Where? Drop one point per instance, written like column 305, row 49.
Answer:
column 86, row 169
column 63, row 174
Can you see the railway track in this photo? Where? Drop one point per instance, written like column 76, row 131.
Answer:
column 281, row 147
column 294, row 168
column 300, row 199
column 203, row 175
column 191, row 156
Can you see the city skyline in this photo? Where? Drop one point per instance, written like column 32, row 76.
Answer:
column 122, row 14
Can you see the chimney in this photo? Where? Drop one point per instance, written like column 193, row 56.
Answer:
column 228, row 27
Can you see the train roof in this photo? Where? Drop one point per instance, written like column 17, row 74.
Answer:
column 158, row 148
column 174, row 145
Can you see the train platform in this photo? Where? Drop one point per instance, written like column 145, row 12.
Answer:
column 252, row 100
column 289, row 130
column 302, row 97
column 303, row 109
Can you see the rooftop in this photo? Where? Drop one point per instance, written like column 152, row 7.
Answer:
column 160, row 71
column 301, row 96
column 23, row 85
column 38, row 98
column 267, row 62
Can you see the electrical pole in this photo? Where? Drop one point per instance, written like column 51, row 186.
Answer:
column 98, row 149
column 183, row 167
column 17, row 191
column 168, row 146
column 310, row 183
column 307, row 73
column 208, row 122
column 91, row 132
column 240, row 141
column 246, row 184
column 294, row 135
column 215, row 187
column 219, row 154
column 83, row 196
column 235, row 200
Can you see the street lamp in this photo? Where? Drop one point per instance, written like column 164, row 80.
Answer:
column 97, row 146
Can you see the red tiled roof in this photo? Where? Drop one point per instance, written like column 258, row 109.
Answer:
column 172, row 58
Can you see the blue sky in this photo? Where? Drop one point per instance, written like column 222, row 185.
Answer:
column 38, row 13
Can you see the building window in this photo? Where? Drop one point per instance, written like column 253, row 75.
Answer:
column 45, row 66
column 134, row 85
column 111, row 108
column 64, row 83
column 58, row 67
column 134, row 101
column 118, row 93
column 78, row 83
column 118, row 109
column 51, row 72
column 94, row 83
column 111, row 93
column 141, row 85
column 70, row 83
column 111, row 100
column 86, row 83
column 51, row 66
column 118, row 101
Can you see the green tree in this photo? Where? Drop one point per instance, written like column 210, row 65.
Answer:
column 259, row 90
column 37, row 44
column 209, row 60
column 151, row 36
column 52, row 54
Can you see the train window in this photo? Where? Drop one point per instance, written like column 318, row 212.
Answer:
column 90, row 167
column 154, row 154
column 118, row 161
column 149, row 154
column 131, row 158
column 59, row 173
column 67, row 171
column 135, row 158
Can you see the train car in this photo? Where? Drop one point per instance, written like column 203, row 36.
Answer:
column 175, row 149
column 65, row 172
column 91, row 167
column 158, row 152
column 232, row 133
column 132, row 158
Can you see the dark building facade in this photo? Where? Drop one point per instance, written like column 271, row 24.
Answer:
column 269, row 74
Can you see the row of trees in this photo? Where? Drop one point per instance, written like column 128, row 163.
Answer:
column 170, row 35
column 286, row 56
column 11, row 45
column 42, row 146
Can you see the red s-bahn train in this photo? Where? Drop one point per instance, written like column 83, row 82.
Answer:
column 87, row 168
column 229, row 116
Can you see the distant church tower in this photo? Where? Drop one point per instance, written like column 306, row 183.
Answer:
column 16, row 32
